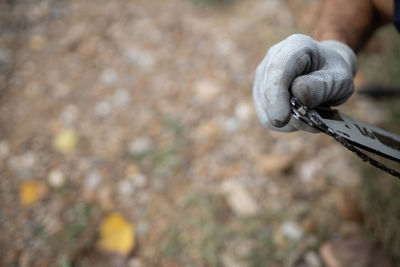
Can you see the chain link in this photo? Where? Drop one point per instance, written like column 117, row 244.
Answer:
column 300, row 112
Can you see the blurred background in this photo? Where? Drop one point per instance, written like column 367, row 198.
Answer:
column 128, row 137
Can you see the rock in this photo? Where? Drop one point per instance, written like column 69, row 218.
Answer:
column 89, row 47
column 23, row 165
column 109, row 76
column 140, row 145
column 309, row 170
column 308, row 259
column 291, row 230
column 142, row 228
column 37, row 42
column 5, row 60
column 312, row 260
column 274, row 163
column 355, row 251
column 207, row 131
column 121, row 97
column 131, row 169
column 92, row 181
column 102, row 109
column 56, row 178
column 135, row 263
column 39, row 11
column 126, row 187
column 139, row 180
column 206, row 90
column 104, row 197
column 229, row 261
column 243, row 111
column 237, row 250
column 230, row 124
column 4, row 149
column 140, row 57
column 348, row 206
column 309, row 224
column 69, row 115
column 239, row 199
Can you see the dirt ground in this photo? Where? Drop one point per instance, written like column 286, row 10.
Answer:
column 144, row 109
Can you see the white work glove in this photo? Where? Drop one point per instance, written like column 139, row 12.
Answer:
column 314, row 72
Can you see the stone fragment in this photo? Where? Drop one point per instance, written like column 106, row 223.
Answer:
column 23, row 165
column 354, row 250
column 243, row 111
column 139, row 180
column 347, row 205
column 121, row 97
column 4, row 149
column 102, row 109
column 69, row 115
column 274, row 163
column 56, row 178
column 140, row 145
column 140, row 57
column 229, row 261
column 37, row 42
column 239, row 198
column 109, row 76
column 135, row 262
column 92, row 180
column 206, row 90
column 291, row 230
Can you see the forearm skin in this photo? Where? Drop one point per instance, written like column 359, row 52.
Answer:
column 351, row 21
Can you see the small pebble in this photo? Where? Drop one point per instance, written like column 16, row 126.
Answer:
column 69, row 115
column 291, row 230
column 92, row 180
column 109, row 76
column 239, row 199
column 126, row 187
column 135, row 263
column 206, row 90
column 121, row 97
column 142, row 228
column 231, row 124
column 102, row 109
column 140, row 145
column 242, row 111
column 139, row 180
column 37, row 42
column 56, row 178
column 4, row 149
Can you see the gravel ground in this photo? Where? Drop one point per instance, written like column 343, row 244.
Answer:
column 144, row 108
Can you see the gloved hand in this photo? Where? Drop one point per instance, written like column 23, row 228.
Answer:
column 314, row 72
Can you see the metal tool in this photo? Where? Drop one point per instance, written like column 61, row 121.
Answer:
column 352, row 133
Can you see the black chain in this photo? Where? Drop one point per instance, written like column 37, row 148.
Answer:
column 300, row 112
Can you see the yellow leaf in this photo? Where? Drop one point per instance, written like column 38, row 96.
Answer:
column 116, row 234
column 66, row 141
column 30, row 192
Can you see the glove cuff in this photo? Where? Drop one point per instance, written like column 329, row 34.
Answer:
column 345, row 51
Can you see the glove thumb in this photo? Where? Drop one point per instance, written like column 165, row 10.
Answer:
column 322, row 87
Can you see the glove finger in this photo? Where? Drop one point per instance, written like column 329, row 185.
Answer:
column 295, row 57
column 260, row 104
column 322, row 87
